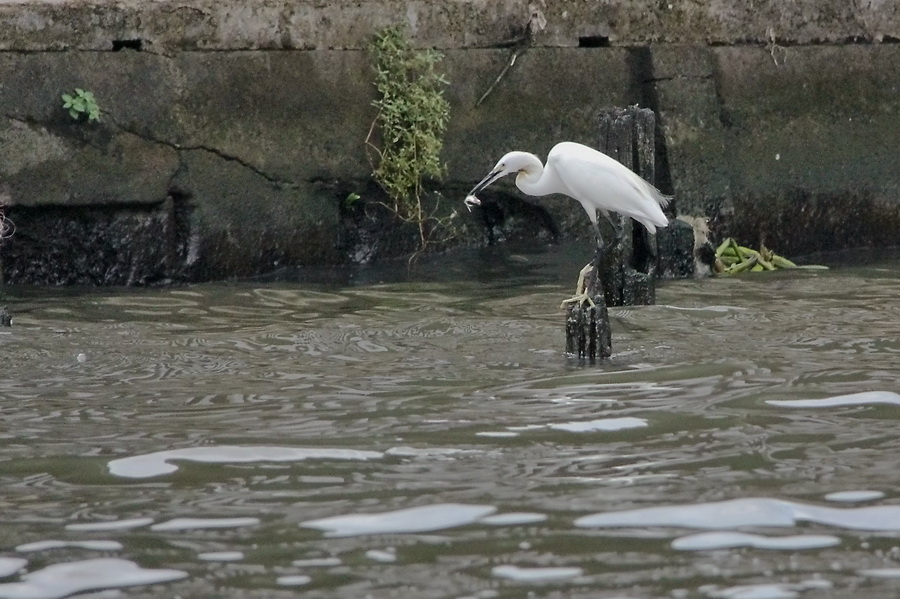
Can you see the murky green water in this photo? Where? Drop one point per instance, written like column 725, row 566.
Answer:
column 429, row 439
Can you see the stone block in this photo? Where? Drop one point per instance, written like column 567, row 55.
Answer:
column 811, row 145
column 81, row 164
column 65, row 245
column 240, row 223
column 687, row 103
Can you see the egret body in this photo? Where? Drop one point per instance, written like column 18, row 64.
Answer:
column 598, row 182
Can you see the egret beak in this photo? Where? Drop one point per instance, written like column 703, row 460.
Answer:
column 492, row 176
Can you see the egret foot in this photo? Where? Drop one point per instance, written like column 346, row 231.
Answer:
column 581, row 292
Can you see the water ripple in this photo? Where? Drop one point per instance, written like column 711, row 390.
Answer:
column 753, row 402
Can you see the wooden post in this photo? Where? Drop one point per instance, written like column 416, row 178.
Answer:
column 588, row 335
column 628, row 270
column 624, row 274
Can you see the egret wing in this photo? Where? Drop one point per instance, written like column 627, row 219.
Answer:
column 595, row 179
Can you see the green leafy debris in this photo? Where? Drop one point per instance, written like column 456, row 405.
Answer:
column 732, row 259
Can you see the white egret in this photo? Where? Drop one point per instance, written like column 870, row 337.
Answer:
column 597, row 181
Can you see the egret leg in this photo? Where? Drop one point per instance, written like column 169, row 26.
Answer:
column 581, row 292
column 619, row 231
column 601, row 247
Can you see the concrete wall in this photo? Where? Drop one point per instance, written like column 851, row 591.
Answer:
column 178, row 25
column 232, row 131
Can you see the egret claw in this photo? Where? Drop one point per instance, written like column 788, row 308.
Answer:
column 581, row 292
column 579, row 299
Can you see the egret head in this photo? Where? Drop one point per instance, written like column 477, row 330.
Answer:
column 513, row 162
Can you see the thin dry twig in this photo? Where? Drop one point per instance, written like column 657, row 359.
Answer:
column 7, row 227
column 774, row 49
column 536, row 23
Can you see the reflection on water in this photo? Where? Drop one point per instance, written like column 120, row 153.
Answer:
column 64, row 579
column 157, row 463
column 396, row 436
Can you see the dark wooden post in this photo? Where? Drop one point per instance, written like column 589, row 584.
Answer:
column 628, row 270
column 624, row 274
column 588, row 335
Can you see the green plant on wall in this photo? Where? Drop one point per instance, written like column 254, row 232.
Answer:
column 81, row 104
column 409, row 127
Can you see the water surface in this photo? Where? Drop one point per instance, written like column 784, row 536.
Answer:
column 384, row 435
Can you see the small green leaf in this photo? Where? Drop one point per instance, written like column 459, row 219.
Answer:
column 73, row 113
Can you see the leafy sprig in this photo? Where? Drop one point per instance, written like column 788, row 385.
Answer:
column 82, row 103
column 410, row 124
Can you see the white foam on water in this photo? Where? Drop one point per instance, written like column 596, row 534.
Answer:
column 483, row 594
column 497, row 434
column 853, row 496
column 221, row 556
column 854, row 399
column 11, row 565
column 385, row 556
column 109, row 525
column 424, row 452
column 418, row 519
column 157, row 463
column 54, row 544
column 514, row 518
column 534, row 575
column 603, row 424
column 714, row 308
column 755, row 591
column 317, row 562
column 766, row 590
column 722, row 514
column 873, row 518
column 729, row 540
column 201, row 523
column 753, row 511
column 880, row 573
column 61, row 580
column 293, row 580
column 816, row 583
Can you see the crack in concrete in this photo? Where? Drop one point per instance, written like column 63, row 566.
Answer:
column 174, row 9
column 677, row 78
column 281, row 183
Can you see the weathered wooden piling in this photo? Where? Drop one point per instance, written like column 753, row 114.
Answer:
column 588, row 335
column 625, row 272
column 628, row 270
